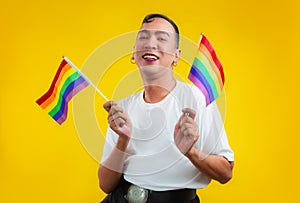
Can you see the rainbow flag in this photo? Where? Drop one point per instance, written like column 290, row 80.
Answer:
column 207, row 72
column 65, row 85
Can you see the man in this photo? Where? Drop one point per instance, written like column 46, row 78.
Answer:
column 162, row 143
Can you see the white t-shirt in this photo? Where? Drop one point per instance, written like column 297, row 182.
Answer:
column 153, row 160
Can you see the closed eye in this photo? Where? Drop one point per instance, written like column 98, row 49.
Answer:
column 143, row 34
column 143, row 37
column 161, row 39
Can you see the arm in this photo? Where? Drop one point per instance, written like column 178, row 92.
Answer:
column 214, row 166
column 110, row 171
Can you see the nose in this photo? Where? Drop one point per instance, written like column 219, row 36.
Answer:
column 151, row 43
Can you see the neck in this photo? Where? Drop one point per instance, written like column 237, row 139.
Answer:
column 156, row 91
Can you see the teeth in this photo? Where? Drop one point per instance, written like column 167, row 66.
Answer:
column 150, row 57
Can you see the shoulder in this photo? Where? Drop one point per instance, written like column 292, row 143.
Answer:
column 191, row 92
column 132, row 99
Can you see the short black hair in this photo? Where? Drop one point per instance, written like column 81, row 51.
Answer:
column 150, row 17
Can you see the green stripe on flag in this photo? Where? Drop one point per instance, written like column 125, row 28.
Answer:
column 199, row 65
column 69, row 80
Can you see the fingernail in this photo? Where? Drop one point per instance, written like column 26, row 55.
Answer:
column 187, row 114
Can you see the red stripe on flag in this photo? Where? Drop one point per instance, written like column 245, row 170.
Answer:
column 43, row 98
column 206, row 43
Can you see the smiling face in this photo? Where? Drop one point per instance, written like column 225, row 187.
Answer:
column 156, row 44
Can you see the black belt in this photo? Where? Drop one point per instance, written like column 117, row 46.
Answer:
column 169, row 196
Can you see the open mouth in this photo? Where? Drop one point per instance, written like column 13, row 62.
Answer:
column 150, row 57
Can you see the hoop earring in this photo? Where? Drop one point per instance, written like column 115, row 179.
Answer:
column 174, row 64
column 132, row 61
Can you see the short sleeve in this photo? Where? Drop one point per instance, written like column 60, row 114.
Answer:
column 213, row 138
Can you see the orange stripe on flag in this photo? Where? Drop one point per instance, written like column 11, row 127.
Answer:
column 204, row 51
column 52, row 97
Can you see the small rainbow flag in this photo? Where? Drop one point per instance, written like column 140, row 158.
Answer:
column 65, row 85
column 207, row 72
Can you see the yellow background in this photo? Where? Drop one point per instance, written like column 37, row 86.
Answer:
column 256, row 41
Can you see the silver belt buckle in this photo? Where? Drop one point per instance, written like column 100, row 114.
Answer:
column 137, row 194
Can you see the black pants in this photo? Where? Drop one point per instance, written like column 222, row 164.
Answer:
column 118, row 196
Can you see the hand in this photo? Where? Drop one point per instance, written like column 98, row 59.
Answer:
column 186, row 131
column 118, row 120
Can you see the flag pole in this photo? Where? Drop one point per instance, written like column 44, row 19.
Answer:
column 191, row 83
column 94, row 86
column 201, row 36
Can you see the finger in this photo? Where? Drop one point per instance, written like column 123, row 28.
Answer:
column 108, row 105
column 177, row 126
column 114, row 109
column 188, row 129
column 187, row 119
column 119, row 115
column 189, row 112
column 177, row 133
column 120, row 118
column 192, row 127
column 120, row 122
column 116, row 123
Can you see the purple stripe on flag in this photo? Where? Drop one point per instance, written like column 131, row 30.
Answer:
column 77, row 89
column 194, row 71
column 196, row 81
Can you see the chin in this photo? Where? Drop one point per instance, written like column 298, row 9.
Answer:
column 151, row 72
column 153, row 68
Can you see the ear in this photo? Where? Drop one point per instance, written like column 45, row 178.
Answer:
column 177, row 55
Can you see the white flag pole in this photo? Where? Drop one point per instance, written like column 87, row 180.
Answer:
column 191, row 83
column 94, row 86
column 201, row 36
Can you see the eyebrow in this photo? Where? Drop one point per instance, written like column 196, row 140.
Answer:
column 156, row 32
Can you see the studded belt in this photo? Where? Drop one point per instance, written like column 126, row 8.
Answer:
column 136, row 194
